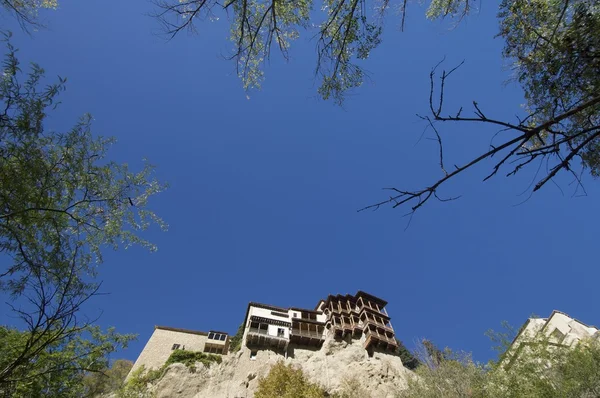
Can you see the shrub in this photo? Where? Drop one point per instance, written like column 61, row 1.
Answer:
column 189, row 358
column 287, row 382
column 108, row 380
column 137, row 385
column 408, row 359
column 235, row 343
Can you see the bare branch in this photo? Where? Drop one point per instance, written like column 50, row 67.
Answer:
column 518, row 147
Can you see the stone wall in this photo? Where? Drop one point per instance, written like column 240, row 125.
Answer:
column 160, row 346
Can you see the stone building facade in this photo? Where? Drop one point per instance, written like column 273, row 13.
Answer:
column 165, row 340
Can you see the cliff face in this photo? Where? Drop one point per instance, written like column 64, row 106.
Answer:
column 337, row 366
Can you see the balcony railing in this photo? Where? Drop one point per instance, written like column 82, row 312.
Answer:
column 258, row 331
column 381, row 337
column 263, row 332
column 379, row 324
column 307, row 333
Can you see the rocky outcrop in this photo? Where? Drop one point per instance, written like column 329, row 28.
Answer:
column 337, row 366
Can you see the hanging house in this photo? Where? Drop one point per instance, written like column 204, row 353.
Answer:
column 361, row 316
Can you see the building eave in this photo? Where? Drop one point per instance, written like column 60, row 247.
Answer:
column 569, row 316
column 306, row 310
column 180, row 330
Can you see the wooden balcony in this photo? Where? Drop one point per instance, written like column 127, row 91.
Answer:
column 380, row 341
column 307, row 337
column 311, row 334
column 378, row 325
column 368, row 309
column 344, row 329
column 261, row 337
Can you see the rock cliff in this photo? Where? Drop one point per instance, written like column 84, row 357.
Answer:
column 337, row 366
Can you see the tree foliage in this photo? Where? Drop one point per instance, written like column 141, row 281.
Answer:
column 26, row 11
column 536, row 368
column 61, row 366
column 107, row 380
column 551, row 45
column 61, row 203
column 544, row 369
column 457, row 377
column 553, row 48
column 346, row 32
column 138, row 383
column 408, row 359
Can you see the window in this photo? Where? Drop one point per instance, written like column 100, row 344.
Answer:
column 558, row 335
column 280, row 332
column 213, row 350
column 295, row 315
column 281, row 314
column 175, row 347
column 217, row 336
column 253, row 355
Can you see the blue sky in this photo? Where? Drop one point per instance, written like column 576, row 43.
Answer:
column 264, row 191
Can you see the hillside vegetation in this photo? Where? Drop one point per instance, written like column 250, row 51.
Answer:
column 342, row 369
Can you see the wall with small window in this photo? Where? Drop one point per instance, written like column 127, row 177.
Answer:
column 163, row 342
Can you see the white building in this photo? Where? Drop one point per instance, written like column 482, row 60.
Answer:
column 275, row 327
column 559, row 328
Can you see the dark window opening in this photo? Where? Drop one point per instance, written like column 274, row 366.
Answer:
column 175, row 347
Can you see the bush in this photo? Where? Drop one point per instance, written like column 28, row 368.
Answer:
column 408, row 359
column 137, row 385
column 352, row 388
column 108, row 380
column 452, row 378
column 536, row 368
column 189, row 358
column 287, row 382
column 235, row 343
